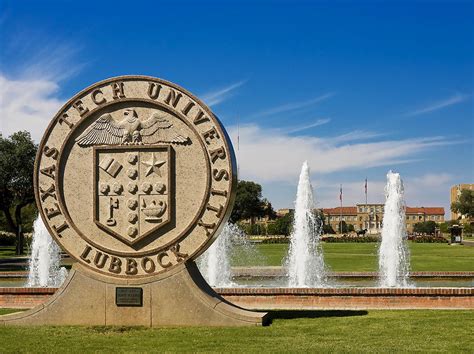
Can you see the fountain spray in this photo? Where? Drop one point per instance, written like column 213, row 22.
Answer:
column 215, row 263
column 305, row 262
column 393, row 253
column 44, row 265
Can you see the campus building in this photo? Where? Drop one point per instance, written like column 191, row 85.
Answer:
column 455, row 193
column 370, row 216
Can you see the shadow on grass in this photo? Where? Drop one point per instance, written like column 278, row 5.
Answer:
column 115, row 329
column 293, row 314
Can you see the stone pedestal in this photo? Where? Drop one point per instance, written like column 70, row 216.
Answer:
column 180, row 297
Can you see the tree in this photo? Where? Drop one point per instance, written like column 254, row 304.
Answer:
column 345, row 228
column 327, row 229
column 444, row 227
column 268, row 209
column 249, row 203
column 465, row 203
column 282, row 226
column 427, row 227
column 17, row 157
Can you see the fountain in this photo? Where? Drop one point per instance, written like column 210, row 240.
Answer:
column 215, row 263
column 44, row 265
column 305, row 261
column 393, row 253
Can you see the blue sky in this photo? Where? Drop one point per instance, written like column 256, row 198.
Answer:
column 355, row 88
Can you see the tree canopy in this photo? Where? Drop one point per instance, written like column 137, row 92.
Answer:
column 282, row 226
column 249, row 203
column 465, row 203
column 17, row 157
column 427, row 227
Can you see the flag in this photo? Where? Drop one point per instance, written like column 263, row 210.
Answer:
column 366, row 186
column 340, row 194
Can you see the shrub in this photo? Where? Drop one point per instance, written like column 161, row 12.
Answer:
column 347, row 239
column 278, row 239
column 429, row 239
column 255, row 229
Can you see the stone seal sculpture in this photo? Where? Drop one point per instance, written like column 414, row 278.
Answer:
column 134, row 178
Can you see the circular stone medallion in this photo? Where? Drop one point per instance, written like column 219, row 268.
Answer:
column 134, row 175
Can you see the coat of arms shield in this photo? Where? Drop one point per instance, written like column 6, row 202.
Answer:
column 132, row 190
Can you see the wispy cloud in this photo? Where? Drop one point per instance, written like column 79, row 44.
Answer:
column 355, row 135
column 291, row 106
column 455, row 99
column 269, row 155
column 309, row 126
column 33, row 54
column 215, row 97
column 30, row 84
column 27, row 105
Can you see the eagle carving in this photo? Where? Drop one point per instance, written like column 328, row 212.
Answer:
column 131, row 131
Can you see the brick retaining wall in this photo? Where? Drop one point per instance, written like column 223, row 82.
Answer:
column 350, row 298
column 278, row 271
column 299, row 299
column 24, row 298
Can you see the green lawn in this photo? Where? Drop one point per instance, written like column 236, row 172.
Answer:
column 7, row 251
column 343, row 257
column 304, row 331
column 346, row 257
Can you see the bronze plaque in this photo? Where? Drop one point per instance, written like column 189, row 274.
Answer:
column 129, row 296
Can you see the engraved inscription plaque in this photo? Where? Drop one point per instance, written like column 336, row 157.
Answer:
column 128, row 296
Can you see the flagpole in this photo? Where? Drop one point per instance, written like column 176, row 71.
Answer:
column 368, row 226
column 238, row 146
column 340, row 221
column 365, row 191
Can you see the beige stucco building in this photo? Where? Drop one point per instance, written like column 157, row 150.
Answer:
column 455, row 193
column 370, row 216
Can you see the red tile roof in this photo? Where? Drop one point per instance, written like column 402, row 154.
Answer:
column 337, row 211
column 427, row 211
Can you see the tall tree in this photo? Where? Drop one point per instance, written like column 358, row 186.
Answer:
column 17, row 157
column 249, row 203
column 426, row 227
column 465, row 203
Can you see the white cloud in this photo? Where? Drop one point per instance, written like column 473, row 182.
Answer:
column 27, row 105
column 30, row 84
column 317, row 123
column 213, row 98
column 272, row 155
column 455, row 99
column 292, row 106
column 355, row 135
